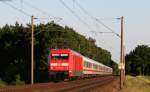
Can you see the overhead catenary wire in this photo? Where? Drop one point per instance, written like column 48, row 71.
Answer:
column 107, row 44
column 42, row 11
column 5, row 0
column 27, row 14
column 20, row 10
column 96, row 19
column 91, row 30
column 76, row 15
column 107, row 28
column 21, row 1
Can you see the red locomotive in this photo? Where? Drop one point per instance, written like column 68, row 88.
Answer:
column 66, row 63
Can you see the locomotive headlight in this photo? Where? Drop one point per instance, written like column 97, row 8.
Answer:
column 64, row 64
column 54, row 64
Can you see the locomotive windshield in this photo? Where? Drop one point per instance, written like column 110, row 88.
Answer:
column 60, row 56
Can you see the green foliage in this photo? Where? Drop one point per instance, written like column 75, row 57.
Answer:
column 2, row 83
column 114, row 67
column 15, row 50
column 138, row 61
column 18, row 81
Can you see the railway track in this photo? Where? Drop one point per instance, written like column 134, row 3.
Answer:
column 71, row 86
column 87, row 85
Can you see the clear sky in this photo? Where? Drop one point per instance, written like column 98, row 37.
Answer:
column 136, row 15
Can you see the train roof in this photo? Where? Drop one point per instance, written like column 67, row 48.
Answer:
column 85, row 58
column 90, row 60
column 94, row 62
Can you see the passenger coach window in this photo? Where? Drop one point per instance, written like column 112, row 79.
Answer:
column 87, row 64
column 60, row 56
column 95, row 66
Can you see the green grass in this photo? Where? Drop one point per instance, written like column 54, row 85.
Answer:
column 136, row 84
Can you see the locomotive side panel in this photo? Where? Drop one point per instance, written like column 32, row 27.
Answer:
column 75, row 65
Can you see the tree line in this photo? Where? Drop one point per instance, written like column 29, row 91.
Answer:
column 138, row 61
column 15, row 50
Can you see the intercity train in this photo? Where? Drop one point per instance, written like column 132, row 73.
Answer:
column 66, row 63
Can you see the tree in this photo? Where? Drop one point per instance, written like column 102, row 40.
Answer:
column 137, row 61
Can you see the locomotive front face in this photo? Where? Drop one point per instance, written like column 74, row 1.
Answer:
column 59, row 62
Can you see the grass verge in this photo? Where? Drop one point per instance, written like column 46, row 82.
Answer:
column 145, row 78
column 136, row 84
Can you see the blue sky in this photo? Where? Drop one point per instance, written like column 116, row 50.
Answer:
column 136, row 15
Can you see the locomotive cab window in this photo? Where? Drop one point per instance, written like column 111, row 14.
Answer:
column 60, row 56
